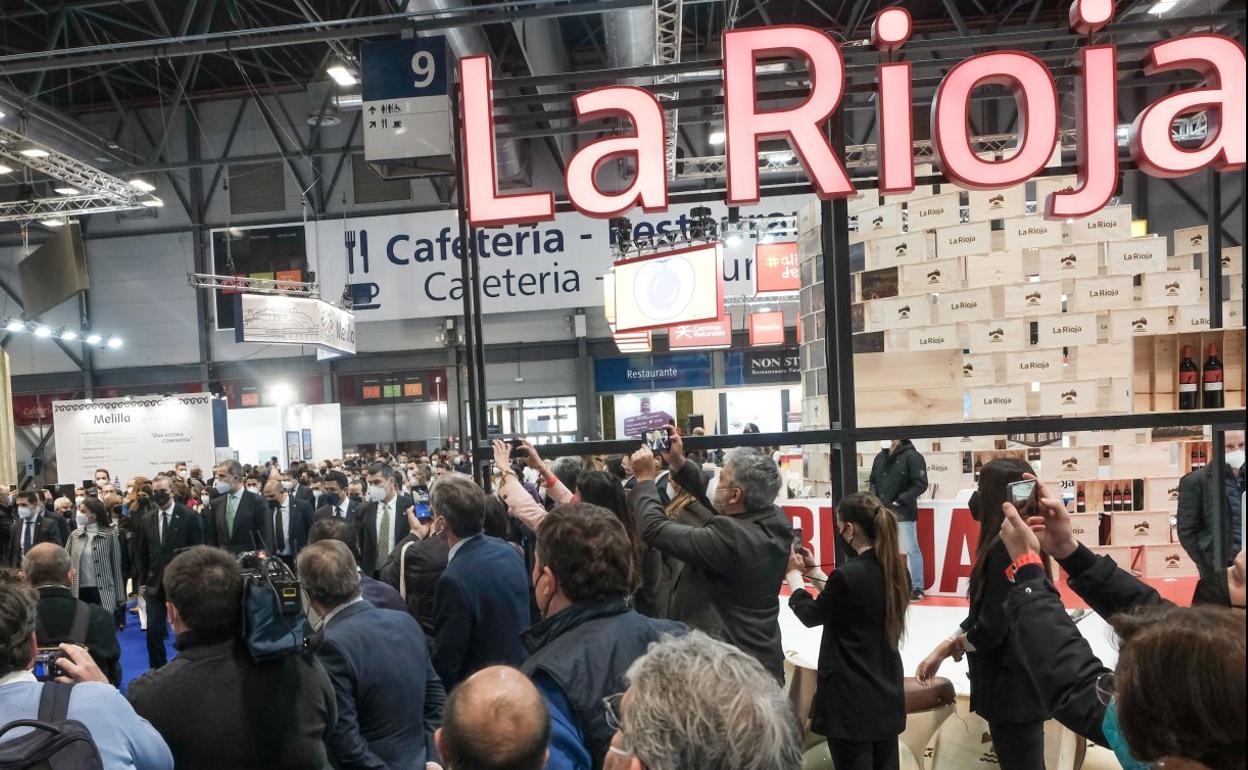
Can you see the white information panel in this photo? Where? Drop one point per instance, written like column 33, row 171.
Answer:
column 141, row 435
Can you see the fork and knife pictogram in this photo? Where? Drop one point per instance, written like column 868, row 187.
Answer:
column 349, row 240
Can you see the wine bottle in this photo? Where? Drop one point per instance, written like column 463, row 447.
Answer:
column 1081, row 501
column 1214, row 397
column 1117, row 498
column 1189, row 391
column 1127, row 505
column 1195, row 457
column 1107, row 500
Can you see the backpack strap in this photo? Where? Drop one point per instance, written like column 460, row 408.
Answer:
column 403, row 569
column 78, row 626
column 54, row 702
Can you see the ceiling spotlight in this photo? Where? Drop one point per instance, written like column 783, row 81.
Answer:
column 342, row 74
column 65, row 190
column 622, row 228
column 114, row 342
column 15, row 326
column 5, row 169
column 52, row 222
column 69, row 335
column 733, row 240
column 43, row 331
column 716, row 137
column 703, row 226
column 1162, row 7
column 780, row 157
column 32, row 151
column 152, row 203
column 142, row 185
column 94, row 339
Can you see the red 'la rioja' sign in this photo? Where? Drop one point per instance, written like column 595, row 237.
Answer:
column 1219, row 60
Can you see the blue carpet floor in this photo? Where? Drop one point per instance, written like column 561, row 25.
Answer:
column 134, row 649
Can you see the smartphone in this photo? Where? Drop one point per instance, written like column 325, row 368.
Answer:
column 423, row 514
column 798, row 543
column 657, row 440
column 1021, row 494
column 518, row 452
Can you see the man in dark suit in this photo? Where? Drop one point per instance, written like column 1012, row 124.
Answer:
column 236, row 517
column 163, row 533
column 288, row 523
column 389, row 697
column 481, row 601
column 383, row 519
column 46, row 568
column 375, row 592
column 298, row 486
column 32, row 527
column 334, row 500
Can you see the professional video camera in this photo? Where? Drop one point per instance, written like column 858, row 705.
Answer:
column 273, row 617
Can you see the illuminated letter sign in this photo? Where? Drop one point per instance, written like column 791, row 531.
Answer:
column 645, row 144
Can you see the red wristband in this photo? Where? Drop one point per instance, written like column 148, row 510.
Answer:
column 1020, row 562
column 552, row 480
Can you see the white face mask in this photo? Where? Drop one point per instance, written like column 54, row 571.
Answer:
column 254, row 489
column 222, row 486
column 183, row 474
column 288, row 485
column 1235, row 459
column 82, row 519
column 25, row 511
column 79, row 500
column 376, row 493
column 886, row 445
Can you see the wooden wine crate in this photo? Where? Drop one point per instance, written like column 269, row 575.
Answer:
column 963, row 240
column 902, row 249
column 1191, row 240
column 999, row 268
column 986, row 205
column 1106, row 292
column 1192, row 318
column 1094, row 493
column 1136, row 255
column 980, row 370
column 909, row 406
column 898, row 313
column 1035, row 365
column 935, row 276
column 1174, row 287
column 998, row 402
column 1140, row 528
column 1161, row 493
column 896, row 371
column 967, row 305
column 1070, row 463
column 1112, row 223
column 878, row 222
column 1033, row 299
column 1033, row 232
column 1086, row 528
column 1166, row 561
column 1123, row 555
column 1069, row 261
column 1068, row 329
column 999, row 335
column 1069, row 397
column 944, row 210
column 1143, row 460
column 1156, row 366
column 942, row 337
column 1110, row 359
column 1046, row 186
column 1232, row 260
column 877, row 284
column 1131, row 322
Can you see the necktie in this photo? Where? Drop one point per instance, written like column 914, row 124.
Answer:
column 231, row 506
column 28, row 536
column 383, row 537
column 164, row 526
column 279, row 532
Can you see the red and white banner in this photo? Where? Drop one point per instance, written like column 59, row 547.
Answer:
column 766, row 328
column 947, row 538
column 708, row 334
column 775, row 268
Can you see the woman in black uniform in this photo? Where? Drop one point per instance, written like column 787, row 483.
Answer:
column 860, row 702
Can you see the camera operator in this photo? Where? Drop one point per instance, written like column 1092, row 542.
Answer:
column 735, row 564
column 47, row 568
column 213, row 703
column 1177, row 696
column 124, row 739
column 389, row 697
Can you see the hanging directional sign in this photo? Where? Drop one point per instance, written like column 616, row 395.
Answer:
column 407, row 106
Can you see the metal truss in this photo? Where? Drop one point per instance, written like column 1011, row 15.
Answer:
column 98, row 192
column 668, row 34
column 253, row 285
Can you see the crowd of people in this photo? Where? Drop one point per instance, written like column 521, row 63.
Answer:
column 588, row 613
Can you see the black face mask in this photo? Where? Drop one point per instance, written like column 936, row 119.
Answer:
column 973, row 504
column 357, row 498
column 329, row 498
column 1212, row 589
column 275, row 504
column 161, row 497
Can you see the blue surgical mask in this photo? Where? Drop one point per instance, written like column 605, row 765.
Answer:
column 1117, row 741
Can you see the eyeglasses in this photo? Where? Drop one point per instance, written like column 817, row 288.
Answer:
column 611, row 706
column 1105, row 688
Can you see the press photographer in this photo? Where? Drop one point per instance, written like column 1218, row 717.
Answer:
column 64, row 618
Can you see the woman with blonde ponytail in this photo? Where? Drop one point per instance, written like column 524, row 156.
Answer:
column 860, row 703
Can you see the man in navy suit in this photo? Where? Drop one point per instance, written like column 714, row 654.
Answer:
column 389, row 697
column 236, row 518
column 379, row 594
column 289, row 520
column 481, row 601
column 334, row 500
column 162, row 535
column 383, row 519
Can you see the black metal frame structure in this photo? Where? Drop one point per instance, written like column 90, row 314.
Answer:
column 845, row 433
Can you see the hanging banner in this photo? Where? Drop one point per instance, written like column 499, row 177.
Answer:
column 135, row 436
column 767, row 328
column 709, row 334
column 775, row 268
column 279, row 319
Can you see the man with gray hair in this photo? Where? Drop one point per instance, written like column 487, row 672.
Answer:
column 235, row 519
column 735, row 563
column 744, row 721
column 64, row 617
column 389, row 697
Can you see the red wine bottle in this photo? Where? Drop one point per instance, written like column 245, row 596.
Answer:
column 1081, row 501
column 1195, row 456
column 1117, row 498
column 1127, row 505
column 1107, row 500
column 1214, row 397
column 1189, row 374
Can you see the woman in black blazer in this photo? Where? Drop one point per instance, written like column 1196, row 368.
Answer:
column 860, row 702
column 1001, row 689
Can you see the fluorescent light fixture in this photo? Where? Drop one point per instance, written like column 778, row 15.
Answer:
column 780, row 157
column 764, row 309
column 716, row 137
column 342, row 75
column 152, row 203
column 52, row 222
column 114, row 342
column 15, row 326
column 1162, row 7
column 5, row 169
column 65, row 190
column 31, row 151
column 69, row 334
column 282, row 393
column 142, row 185
column 43, row 331
column 94, row 339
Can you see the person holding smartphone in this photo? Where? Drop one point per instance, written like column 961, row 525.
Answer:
column 860, row 701
column 1002, row 692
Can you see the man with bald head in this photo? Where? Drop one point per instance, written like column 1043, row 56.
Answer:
column 64, row 617
column 495, row 720
column 289, row 520
column 1198, row 508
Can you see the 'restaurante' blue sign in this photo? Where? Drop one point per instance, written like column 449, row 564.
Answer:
column 653, row 372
